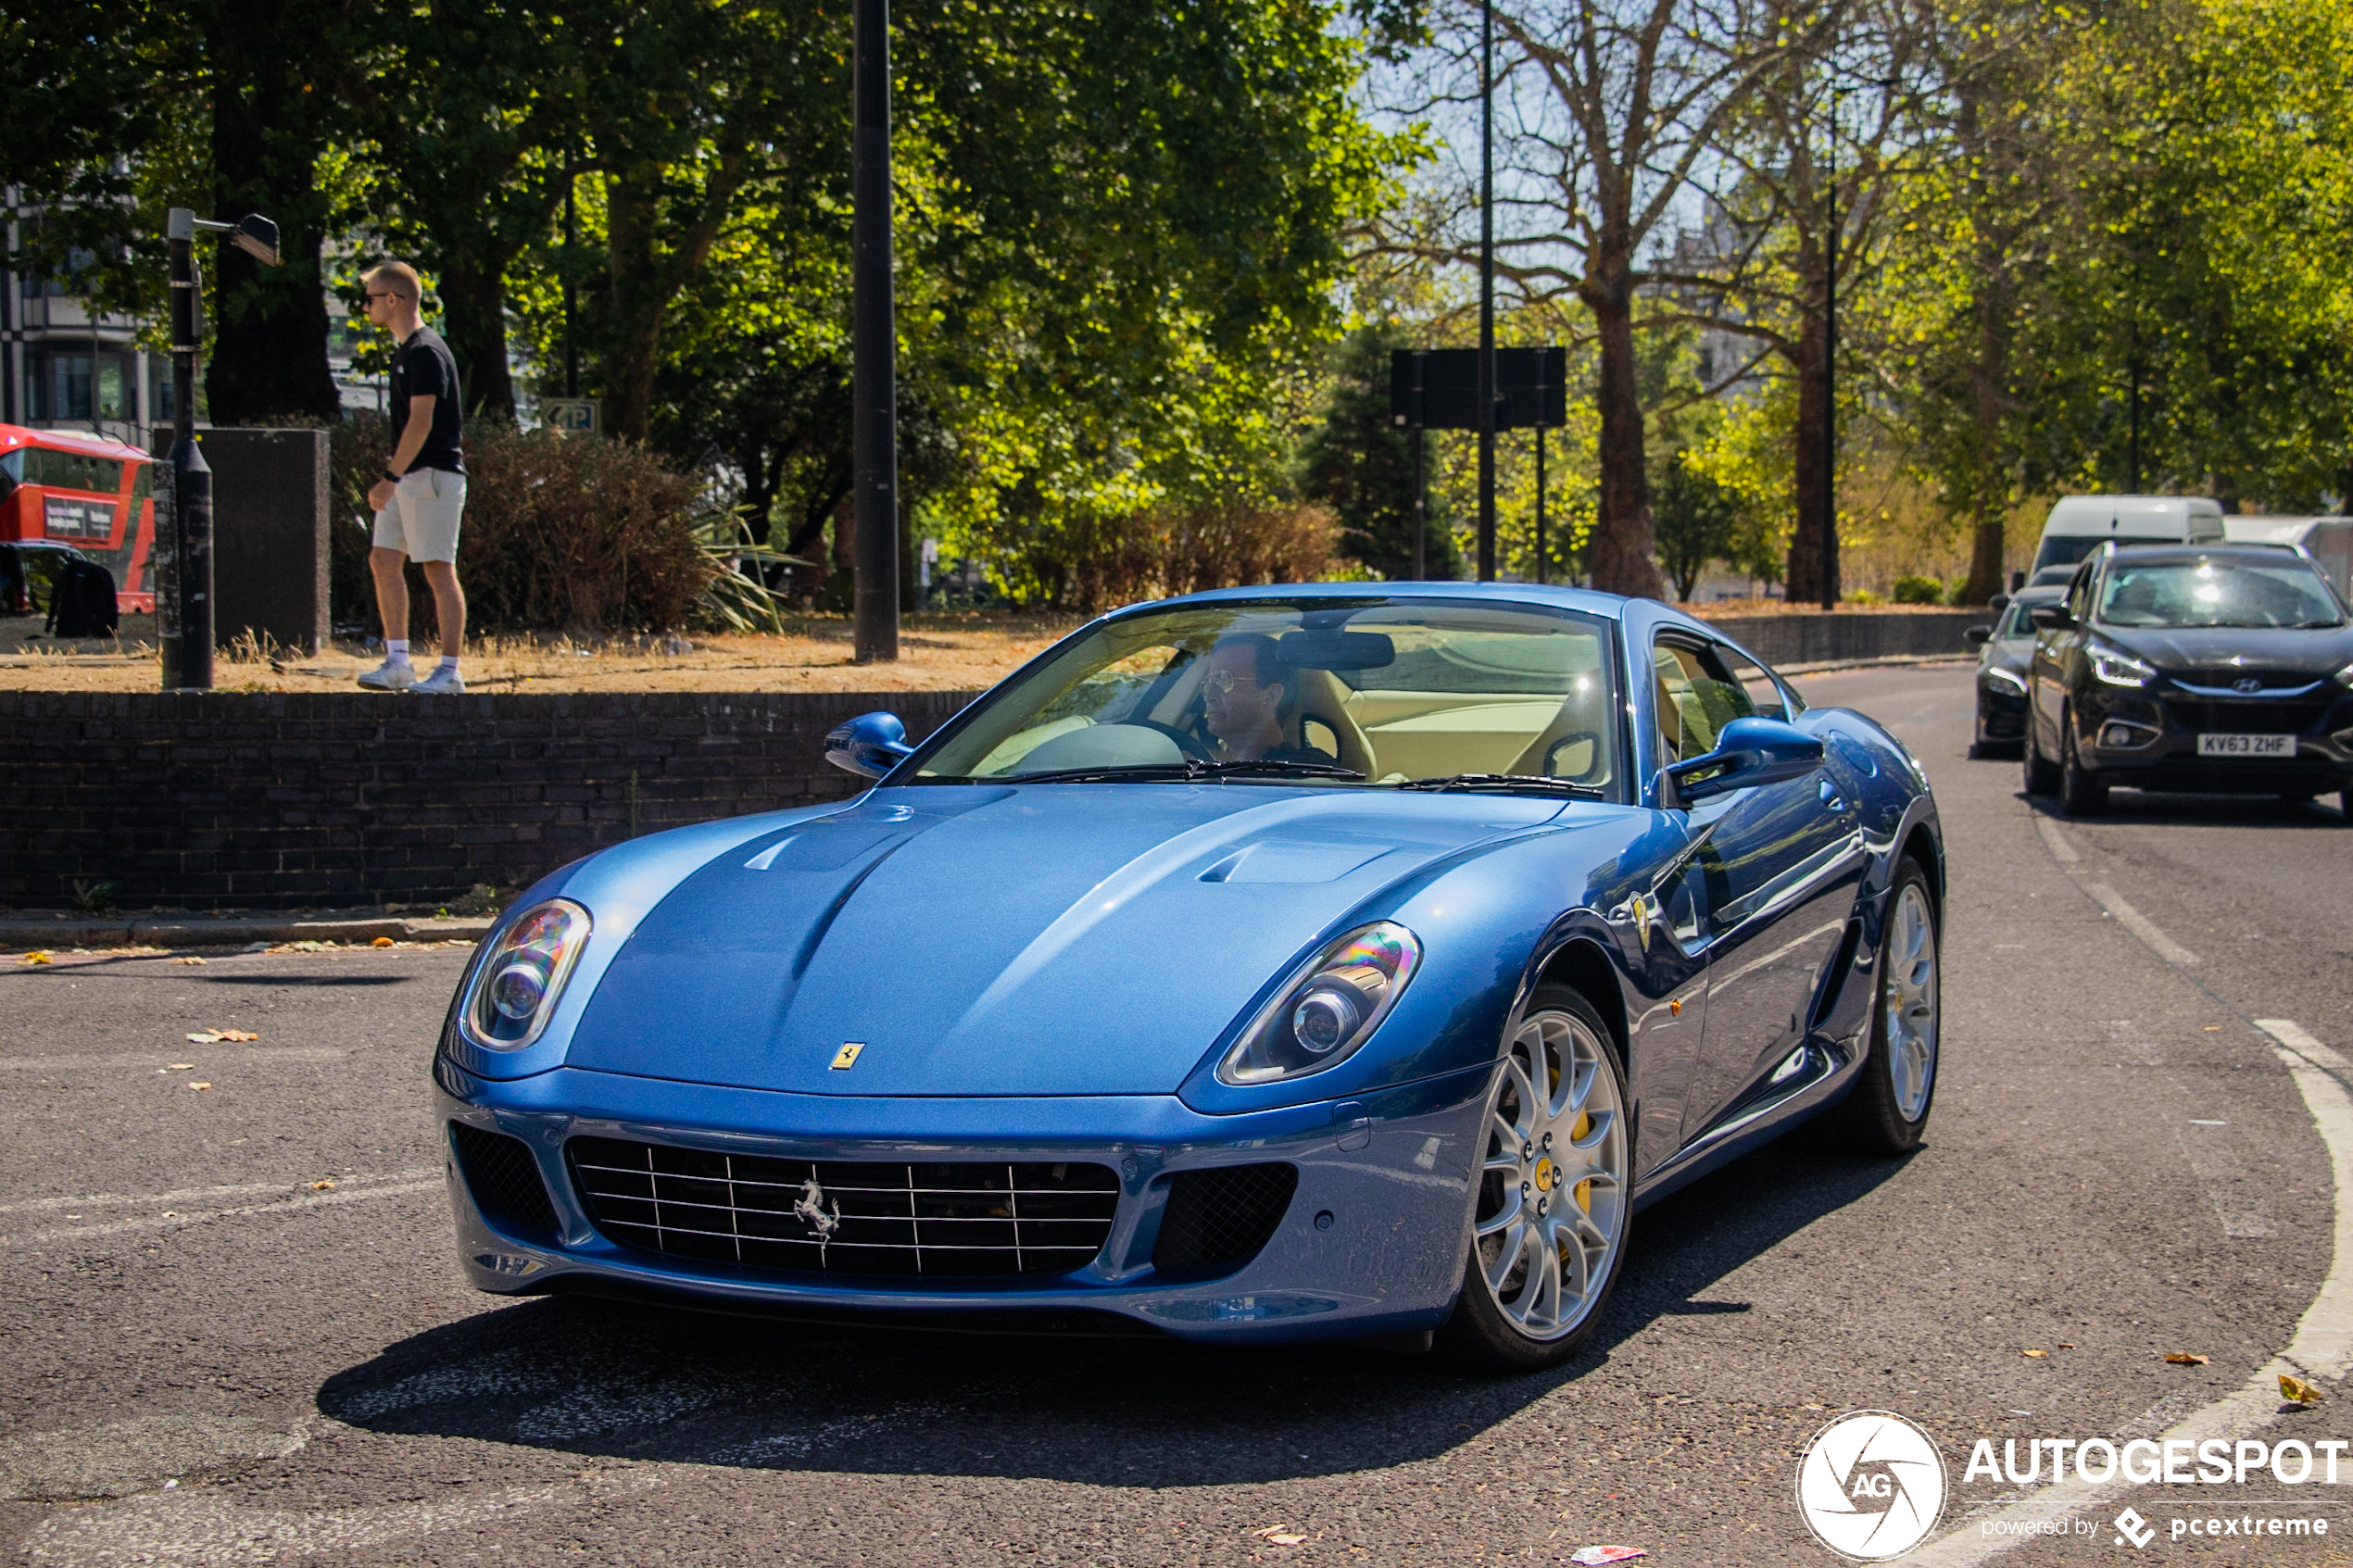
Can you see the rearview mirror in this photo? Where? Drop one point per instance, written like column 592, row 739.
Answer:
column 1998, row 603
column 1978, row 636
column 1316, row 649
column 2050, row 618
column 1749, row 751
column 872, row 744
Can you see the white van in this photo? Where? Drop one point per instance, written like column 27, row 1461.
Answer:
column 2328, row 540
column 2079, row 524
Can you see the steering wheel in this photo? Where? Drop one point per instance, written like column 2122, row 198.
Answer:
column 1184, row 743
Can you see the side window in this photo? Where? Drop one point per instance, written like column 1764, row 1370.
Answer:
column 1765, row 698
column 2079, row 596
column 1695, row 698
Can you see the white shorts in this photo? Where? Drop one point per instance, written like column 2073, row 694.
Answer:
column 421, row 523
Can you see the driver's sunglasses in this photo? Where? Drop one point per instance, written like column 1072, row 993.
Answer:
column 1224, row 680
column 385, row 293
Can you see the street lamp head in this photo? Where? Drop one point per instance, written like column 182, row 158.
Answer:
column 258, row 237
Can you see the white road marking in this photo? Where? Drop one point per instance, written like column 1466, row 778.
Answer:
column 201, row 1195
column 2320, row 1348
column 190, row 1528
column 2139, row 924
column 180, row 1221
column 117, row 1459
column 2060, row 848
column 156, row 1059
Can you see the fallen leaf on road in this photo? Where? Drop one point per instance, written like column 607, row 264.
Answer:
column 2298, row 1390
column 2037, row 1354
column 190, row 958
column 199, row 1084
column 239, row 1034
column 2182, row 1358
column 380, row 942
column 1278, row 1535
column 36, row 956
column 2067, row 1345
column 1586, row 1557
column 214, row 1037
column 327, row 1185
column 182, row 1067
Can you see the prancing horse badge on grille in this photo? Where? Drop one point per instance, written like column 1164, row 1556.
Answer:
column 847, row 1058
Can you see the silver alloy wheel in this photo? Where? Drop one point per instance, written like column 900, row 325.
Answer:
column 1908, row 995
column 1554, row 1190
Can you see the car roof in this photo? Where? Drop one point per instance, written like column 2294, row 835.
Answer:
column 2049, row 593
column 2161, row 553
column 1588, row 600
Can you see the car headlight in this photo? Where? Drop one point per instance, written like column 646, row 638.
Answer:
column 514, row 992
column 2006, row 679
column 1330, row 1006
column 2119, row 668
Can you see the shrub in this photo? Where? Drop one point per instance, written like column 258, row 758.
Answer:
column 1092, row 564
column 1914, row 589
column 561, row 533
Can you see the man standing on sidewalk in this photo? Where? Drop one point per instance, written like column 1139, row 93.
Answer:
column 421, row 492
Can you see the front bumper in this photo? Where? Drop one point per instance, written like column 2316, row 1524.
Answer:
column 2166, row 725
column 1393, row 1170
column 2001, row 712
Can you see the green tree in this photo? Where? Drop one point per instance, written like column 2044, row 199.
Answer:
column 1360, row 463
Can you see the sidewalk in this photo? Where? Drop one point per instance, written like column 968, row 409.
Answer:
column 28, row 929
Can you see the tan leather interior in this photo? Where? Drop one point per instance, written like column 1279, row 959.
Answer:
column 1582, row 712
column 1319, row 695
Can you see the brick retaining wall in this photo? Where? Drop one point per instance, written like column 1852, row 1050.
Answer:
column 248, row 801
column 1800, row 638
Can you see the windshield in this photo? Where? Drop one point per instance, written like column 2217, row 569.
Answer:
column 2217, row 593
column 2017, row 621
column 1393, row 690
column 2068, row 549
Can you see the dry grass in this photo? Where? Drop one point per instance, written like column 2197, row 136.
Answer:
column 938, row 652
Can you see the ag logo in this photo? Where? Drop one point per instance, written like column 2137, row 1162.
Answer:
column 1872, row 1485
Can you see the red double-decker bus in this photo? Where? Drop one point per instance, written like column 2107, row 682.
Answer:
column 60, row 490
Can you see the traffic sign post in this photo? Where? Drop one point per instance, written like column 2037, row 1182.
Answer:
column 1438, row 389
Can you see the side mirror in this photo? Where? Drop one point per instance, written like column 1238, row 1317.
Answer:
column 872, row 744
column 2050, row 618
column 1749, row 751
column 1978, row 636
column 1998, row 603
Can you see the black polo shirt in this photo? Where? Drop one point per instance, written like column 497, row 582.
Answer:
column 423, row 367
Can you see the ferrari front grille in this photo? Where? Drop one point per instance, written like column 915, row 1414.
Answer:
column 939, row 1221
column 503, row 1180
column 1217, row 1220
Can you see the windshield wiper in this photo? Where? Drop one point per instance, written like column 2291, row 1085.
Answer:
column 1189, row 769
column 1509, row 782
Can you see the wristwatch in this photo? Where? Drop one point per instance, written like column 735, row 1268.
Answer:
column 392, row 476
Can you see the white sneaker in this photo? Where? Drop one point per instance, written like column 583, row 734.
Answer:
column 442, row 681
column 392, row 675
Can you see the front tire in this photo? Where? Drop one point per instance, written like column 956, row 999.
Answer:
column 2081, row 792
column 2041, row 777
column 1555, row 1195
column 1887, row 1110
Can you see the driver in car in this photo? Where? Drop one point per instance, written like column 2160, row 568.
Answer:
column 1242, row 693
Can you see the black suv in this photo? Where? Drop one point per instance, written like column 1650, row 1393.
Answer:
column 2210, row 668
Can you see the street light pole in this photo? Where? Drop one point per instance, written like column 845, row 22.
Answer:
column 1487, row 291
column 873, row 376
column 184, row 603
column 1829, row 374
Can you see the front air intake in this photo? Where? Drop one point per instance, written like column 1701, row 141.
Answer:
column 503, row 1180
column 1217, row 1221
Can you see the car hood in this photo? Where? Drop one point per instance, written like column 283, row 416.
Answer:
column 1066, row 939
column 2014, row 654
column 2310, row 650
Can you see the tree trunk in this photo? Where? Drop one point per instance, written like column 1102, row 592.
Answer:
column 1812, row 579
column 647, row 277
column 474, row 302
column 269, row 352
column 1621, row 555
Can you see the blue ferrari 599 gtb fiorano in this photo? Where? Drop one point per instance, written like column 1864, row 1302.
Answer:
column 1338, row 961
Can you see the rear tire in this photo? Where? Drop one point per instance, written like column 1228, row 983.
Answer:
column 1555, row 1195
column 1887, row 1110
column 2081, row 792
column 2041, row 777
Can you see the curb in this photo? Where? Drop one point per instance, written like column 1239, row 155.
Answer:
column 198, row 932
column 1830, row 666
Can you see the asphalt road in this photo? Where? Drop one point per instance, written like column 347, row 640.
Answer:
column 213, row 1357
